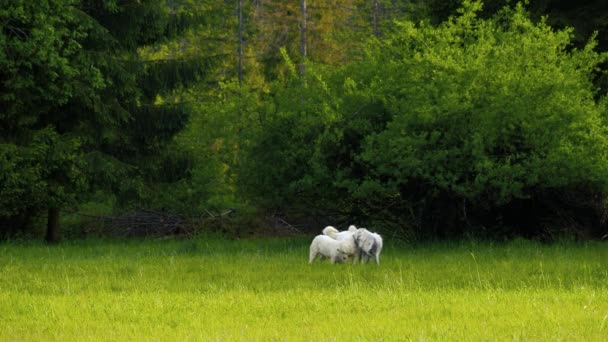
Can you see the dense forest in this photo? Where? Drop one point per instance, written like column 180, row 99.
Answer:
column 422, row 119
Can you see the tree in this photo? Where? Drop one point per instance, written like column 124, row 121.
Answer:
column 42, row 69
column 484, row 126
column 82, row 108
column 487, row 116
column 441, row 130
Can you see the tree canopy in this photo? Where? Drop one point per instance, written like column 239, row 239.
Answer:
column 443, row 129
column 426, row 119
column 80, row 109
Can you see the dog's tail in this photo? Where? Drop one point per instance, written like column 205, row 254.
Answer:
column 330, row 231
column 352, row 228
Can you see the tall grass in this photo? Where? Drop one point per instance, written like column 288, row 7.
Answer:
column 215, row 289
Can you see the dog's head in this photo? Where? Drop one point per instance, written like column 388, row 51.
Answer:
column 359, row 235
column 364, row 239
column 342, row 256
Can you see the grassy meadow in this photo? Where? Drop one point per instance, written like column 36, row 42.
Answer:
column 264, row 290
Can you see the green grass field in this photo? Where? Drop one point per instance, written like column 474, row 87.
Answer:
column 261, row 290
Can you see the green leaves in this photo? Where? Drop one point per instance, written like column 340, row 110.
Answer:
column 513, row 86
column 472, row 113
column 40, row 42
column 81, row 107
column 47, row 171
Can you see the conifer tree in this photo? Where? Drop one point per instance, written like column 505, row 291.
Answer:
column 83, row 110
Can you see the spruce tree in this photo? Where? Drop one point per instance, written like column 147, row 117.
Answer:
column 81, row 109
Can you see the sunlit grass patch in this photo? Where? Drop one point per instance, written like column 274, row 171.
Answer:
column 265, row 290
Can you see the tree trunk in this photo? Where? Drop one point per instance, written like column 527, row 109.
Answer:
column 303, row 47
column 52, row 226
column 240, row 19
column 376, row 32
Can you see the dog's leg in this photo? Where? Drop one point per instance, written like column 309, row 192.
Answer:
column 312, row 256
column 374, row 253
column 364, row 258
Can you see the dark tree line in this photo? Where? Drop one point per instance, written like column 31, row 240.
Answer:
column 424, row 118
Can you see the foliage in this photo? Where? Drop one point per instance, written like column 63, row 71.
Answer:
column 491, row 112
column 42, row 68
column 425, row 118
column 81, row 107
column 452, row 123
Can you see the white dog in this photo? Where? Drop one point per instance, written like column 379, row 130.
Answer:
column 370, row 244
column 334, row 250
column 343, row 235
column 351, row 247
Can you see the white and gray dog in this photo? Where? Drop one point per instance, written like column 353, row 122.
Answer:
column 368, row 244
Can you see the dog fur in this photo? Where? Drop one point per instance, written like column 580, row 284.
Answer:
column 370, row 244
column 339, row 235
column 334, row 250
column 351, row 248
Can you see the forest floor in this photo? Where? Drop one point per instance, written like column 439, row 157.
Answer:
column 210, row 288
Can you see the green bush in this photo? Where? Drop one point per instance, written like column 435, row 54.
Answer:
column 442, row 129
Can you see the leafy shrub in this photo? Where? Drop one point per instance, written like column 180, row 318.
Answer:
column 442, row 129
